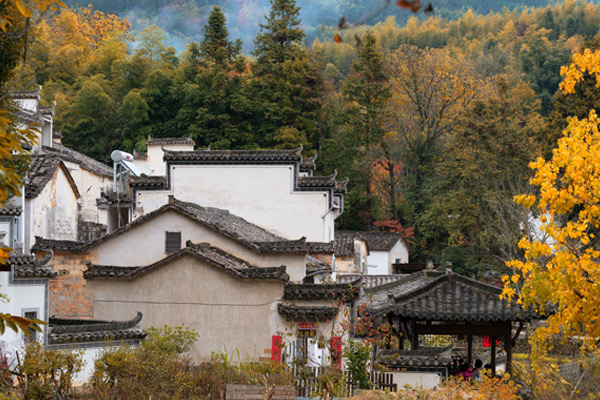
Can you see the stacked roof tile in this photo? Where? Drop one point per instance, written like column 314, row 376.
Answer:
column 222, row 221
column 205, row 252
column 26, row 266
column 85, row 162
column 167, row 141
column 77, row 330
column 376, row 241
column 238, row 156
column 431, row 295
column 307, row 313
column 328, row 291
column 11, row 207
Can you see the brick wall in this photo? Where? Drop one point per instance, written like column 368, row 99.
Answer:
column 68, row 294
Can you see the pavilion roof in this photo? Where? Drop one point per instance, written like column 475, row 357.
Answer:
column 447, row 297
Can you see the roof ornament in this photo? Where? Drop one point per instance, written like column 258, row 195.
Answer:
column 448, row 267
column 429, row 266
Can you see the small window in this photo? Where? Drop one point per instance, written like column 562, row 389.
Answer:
column 173, row 242
column 33, row 335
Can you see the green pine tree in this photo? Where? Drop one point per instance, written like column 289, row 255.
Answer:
column 366, row 92
column 288, row 87
column 216, row 47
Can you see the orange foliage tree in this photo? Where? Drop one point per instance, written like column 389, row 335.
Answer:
column 565, row 270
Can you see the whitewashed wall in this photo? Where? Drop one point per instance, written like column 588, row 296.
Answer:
column 89, row 186
column 54, row 212
column 262, row 194
column 29, row 296
column 145, row 244
column 378, row 263
column 400, row 252
column 155, row 163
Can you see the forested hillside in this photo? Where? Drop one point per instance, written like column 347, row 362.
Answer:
column 183, row 20
column 434, row 121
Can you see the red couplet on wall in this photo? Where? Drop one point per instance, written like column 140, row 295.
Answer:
column 336, row 350
column 276, row 348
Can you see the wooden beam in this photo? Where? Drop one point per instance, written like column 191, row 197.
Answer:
column 469, row 349
column 415, row 336
column 508, row 343
column 454, row 329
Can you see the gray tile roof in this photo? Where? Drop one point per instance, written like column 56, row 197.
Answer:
column 314, row 266
column 308, row 163
column 431, row 295
column 427, row 357
column 327, row 291
column 223, row 222
column 41, row 170
column 85, row 162
column 317, row 182
column 11, row 207
column 320, row 247
column 238, row 156
column 307, row 313
column 25, row 94
column 80, row 331
column 146, row 181
column 165, row 141
column 26, row 266
column 227, row 262
column 376, row 241
column 57, row 245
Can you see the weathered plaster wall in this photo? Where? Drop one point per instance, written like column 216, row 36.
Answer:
column 89, row 185
column 228, row 313
column 261, row 194
column 54, row 210
column 145, row 244
column 69, row 296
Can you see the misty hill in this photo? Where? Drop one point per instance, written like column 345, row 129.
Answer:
column 183, row 20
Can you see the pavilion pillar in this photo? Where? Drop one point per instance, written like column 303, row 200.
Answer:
column 493, row 355
column 508, row 349
column 415, row 336
column 469, row 349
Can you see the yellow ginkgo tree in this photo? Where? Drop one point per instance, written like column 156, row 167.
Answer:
column 15, row 18
column 564, row 271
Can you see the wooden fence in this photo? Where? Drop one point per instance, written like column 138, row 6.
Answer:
column 307, row 381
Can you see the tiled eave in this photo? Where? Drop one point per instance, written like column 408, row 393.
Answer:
column 63, row 331
column 310, row 291
column 307, row 313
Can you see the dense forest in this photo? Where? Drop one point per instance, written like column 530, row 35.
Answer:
column 434, row 121
column 183, row 20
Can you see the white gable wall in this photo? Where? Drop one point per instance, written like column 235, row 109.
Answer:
column 261, row 194
column 89, row 186
column 53, row 213
column 380, row 262
column 145, row 244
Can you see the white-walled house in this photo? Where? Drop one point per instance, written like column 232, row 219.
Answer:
column 51, row 201
column 384, row 250
column 215, row 271
column 274, row 189
column 25, row 281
